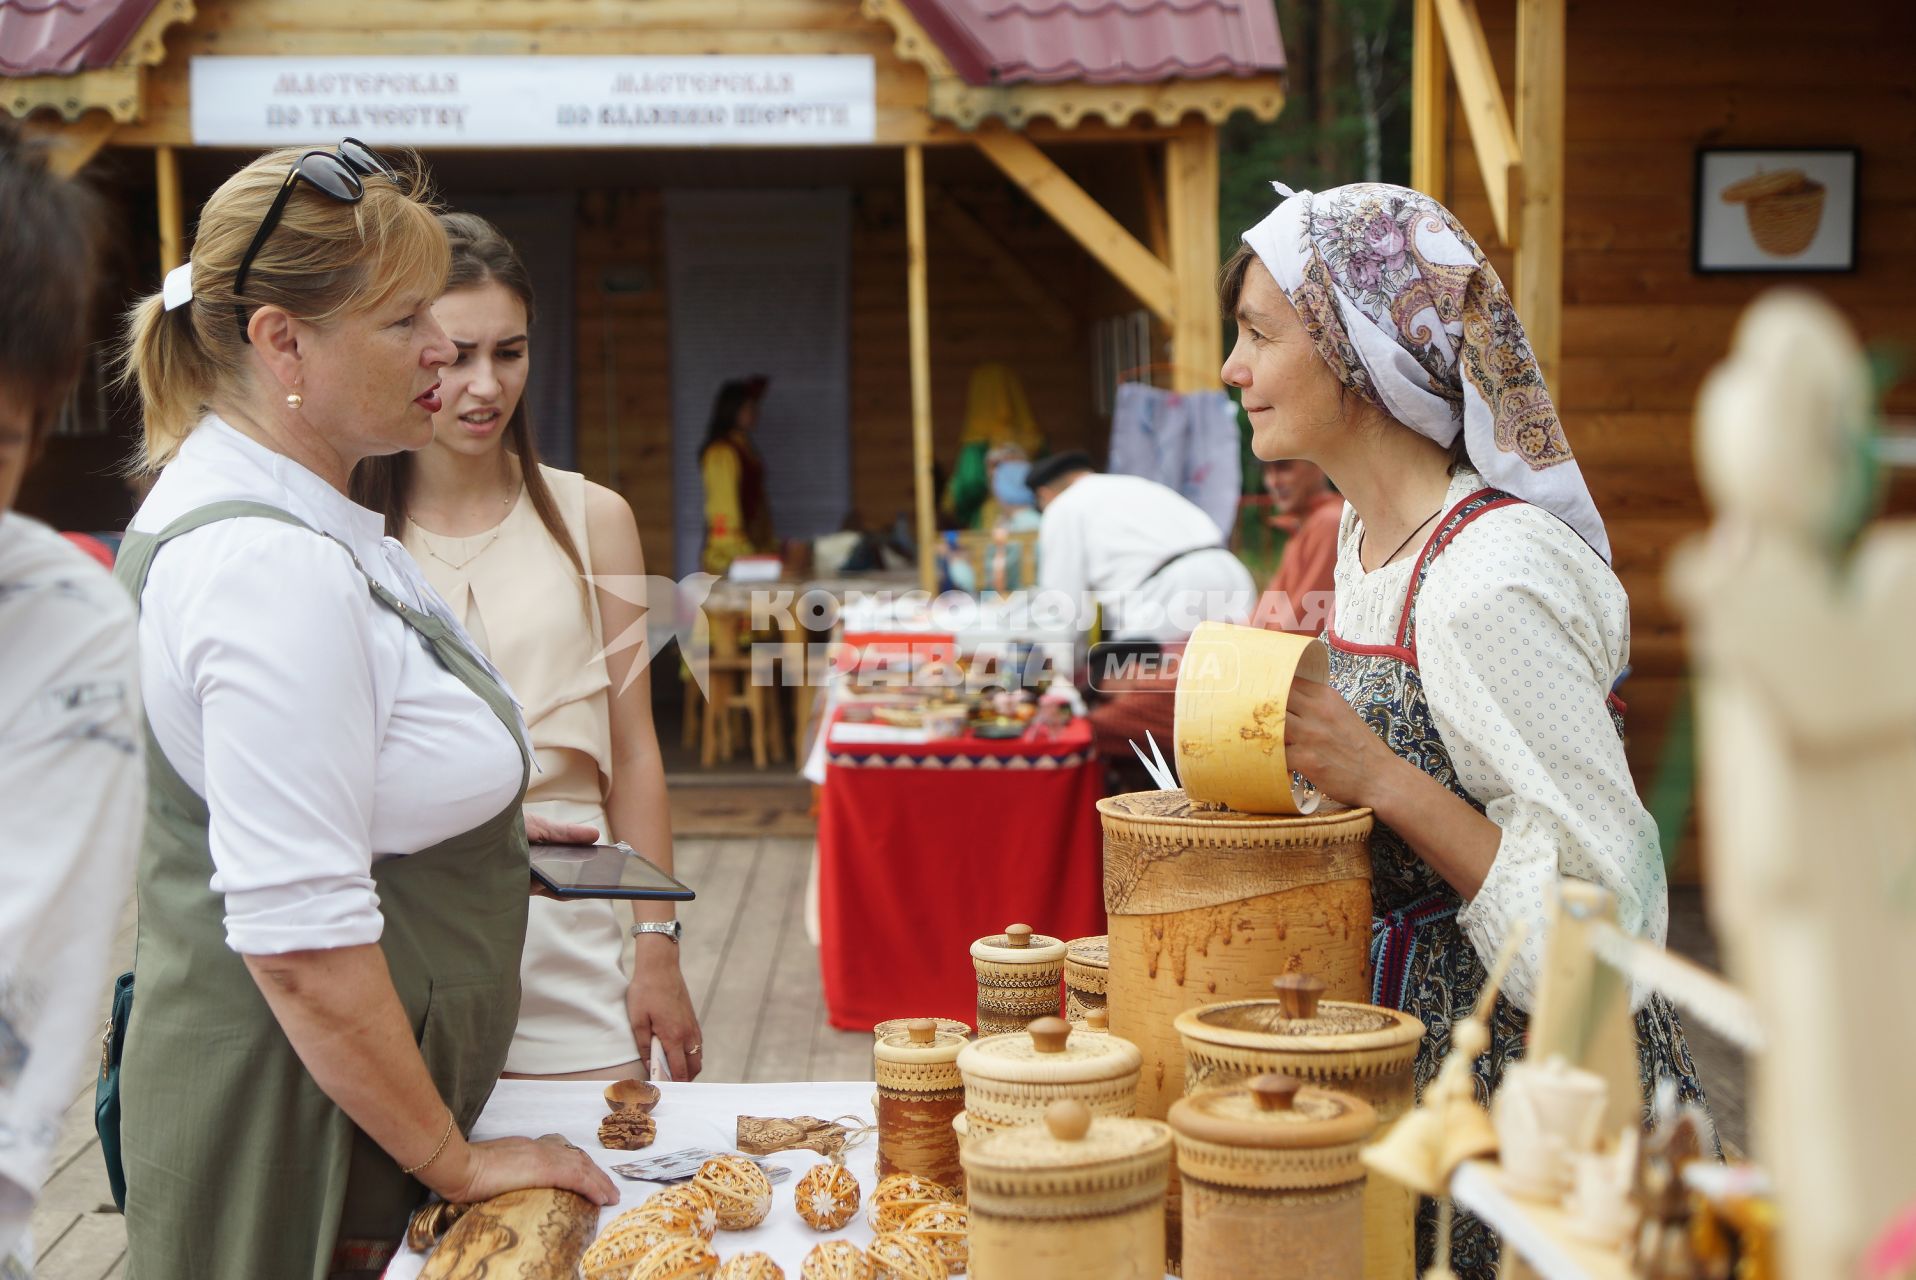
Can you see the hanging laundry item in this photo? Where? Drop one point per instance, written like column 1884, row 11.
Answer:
column 1187, row 441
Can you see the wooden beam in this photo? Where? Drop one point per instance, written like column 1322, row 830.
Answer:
column 1429, row 103
column 72, row 145
column 957, row 222
column 1540, row 112
column 1191, row 185
column 1154, row 228
column 1087, row 222
column 918, row 306
column 1482, row 99
column 166, row 170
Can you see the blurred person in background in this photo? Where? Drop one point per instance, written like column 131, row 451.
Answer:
column 1309, row 510
column 738, row 516
column 509, row 542
column 71, row 780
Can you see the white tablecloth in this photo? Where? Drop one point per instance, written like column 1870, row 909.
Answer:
column 688, row 1115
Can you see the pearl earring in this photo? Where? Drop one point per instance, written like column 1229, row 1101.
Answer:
column 294, row 400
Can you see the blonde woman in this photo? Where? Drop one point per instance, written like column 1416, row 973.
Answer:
column 513, row 547
column 333, row 885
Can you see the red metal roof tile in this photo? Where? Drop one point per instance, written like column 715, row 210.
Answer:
column 1103, row 41
column 62, row 37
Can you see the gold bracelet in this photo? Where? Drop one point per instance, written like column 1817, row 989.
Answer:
column 436, row 1151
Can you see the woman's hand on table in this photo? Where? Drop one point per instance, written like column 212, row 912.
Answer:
column 513, row 1164
column 1331, row 746
column 658, row 1004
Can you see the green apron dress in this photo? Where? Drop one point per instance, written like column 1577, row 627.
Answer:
column 237, row 1165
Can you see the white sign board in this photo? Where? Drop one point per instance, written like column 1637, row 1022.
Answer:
column 536, row 101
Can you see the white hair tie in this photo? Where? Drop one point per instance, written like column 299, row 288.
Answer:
column 178, row 289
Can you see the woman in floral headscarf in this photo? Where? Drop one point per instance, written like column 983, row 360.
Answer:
column 1478, row 629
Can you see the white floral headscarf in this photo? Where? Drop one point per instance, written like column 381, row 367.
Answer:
column 1407, row 311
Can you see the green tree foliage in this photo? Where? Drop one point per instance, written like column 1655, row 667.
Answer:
column 1346, row 114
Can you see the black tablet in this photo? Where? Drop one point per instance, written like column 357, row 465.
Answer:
column 603, row 871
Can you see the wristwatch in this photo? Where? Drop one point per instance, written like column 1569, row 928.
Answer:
column 673, row 929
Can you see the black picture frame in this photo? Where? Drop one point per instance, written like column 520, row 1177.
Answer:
column 1724, row 241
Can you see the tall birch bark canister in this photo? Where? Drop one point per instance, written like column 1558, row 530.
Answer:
column 1087, row 970
column 1010, row 1080
column 920, row 1093
column 1207, row 904
column 1018, row 974
column 1272, row 1181
column 1072, row 1198
column 1358, row 1049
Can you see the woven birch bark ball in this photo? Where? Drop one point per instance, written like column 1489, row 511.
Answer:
column 897, row 1256
column 827, row 1196
column 836, row 1260
column 619, row 1247
column 740, row 1191
column 750, row 1266
column 691, row 1199
column 683, row 1258
column 901, row 1195
column 946, row 1228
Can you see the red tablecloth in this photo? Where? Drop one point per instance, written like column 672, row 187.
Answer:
column 924, row 848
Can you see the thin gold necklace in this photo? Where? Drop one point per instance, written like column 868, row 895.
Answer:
column 431, row 537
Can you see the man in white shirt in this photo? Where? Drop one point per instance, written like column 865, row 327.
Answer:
column 72, row 788
column 1152, row 560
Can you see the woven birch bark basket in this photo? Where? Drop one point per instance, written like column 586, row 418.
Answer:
column 1018, row 973
column 1010, row 1080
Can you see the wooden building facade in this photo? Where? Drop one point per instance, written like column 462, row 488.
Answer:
column 1031, row 170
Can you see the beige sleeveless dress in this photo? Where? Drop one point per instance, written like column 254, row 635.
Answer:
column 524, row 603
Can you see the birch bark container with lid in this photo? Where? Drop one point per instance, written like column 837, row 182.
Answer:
column 1011, row 1079
column 1272, row 1181
column 920, row 1093
column 1076, row 1197
column 1018, row 974
column 1206, row 904
column 1087, row 969
column 1359, row 1049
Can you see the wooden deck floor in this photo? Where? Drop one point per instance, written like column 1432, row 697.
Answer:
column 754, row 976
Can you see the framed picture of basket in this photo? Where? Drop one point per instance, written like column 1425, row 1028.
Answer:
column 1762, row 209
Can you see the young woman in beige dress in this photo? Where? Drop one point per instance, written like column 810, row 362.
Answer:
column 515, row 547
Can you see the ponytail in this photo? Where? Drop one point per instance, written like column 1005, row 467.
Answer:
column 164, row 360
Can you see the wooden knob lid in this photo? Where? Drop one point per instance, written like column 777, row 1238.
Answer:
column 1275, row 1092
column 1018, row 936
column 1048, row 1035
column 1068, row 1119
column 1098, row 1019
column 922, row 1030
column 1299, row 993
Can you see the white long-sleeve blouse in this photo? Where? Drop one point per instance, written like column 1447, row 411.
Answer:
column 1521, row 633
column 320, row 729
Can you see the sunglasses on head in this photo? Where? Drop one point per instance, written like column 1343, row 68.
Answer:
column 336, row 173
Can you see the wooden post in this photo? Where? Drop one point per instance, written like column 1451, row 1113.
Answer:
column 1540, row 107
column 1190, row 181
column 1429, row 103
column 166, row 169
column 919, row 319
column 1482, row 99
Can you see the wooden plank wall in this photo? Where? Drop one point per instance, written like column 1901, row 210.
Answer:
column 974, row 319
column 1649, row 83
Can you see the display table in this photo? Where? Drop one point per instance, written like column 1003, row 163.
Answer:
column 1539, row 1233
column 689, row 1115
column 924, row 847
